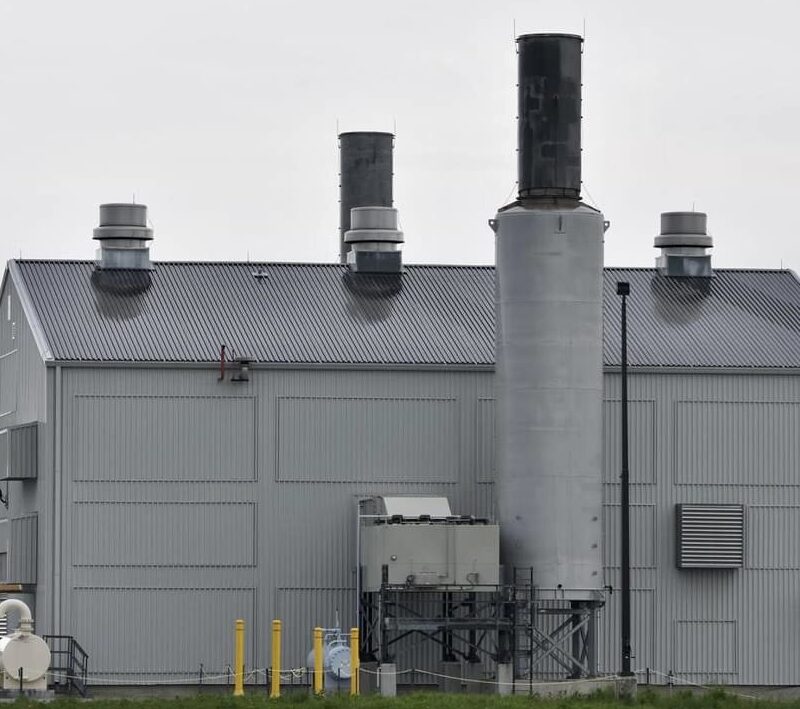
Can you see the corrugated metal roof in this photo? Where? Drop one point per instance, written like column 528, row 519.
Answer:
column 430, row 315
column 738, row 318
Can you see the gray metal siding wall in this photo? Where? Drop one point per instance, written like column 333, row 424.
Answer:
column 238, row 501
column 709, row 439
column 24, row 383
column 219, row 500
column 22, row 547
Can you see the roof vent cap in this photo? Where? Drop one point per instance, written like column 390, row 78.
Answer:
column 123, row 235
column 684, row 245
column 374, row 240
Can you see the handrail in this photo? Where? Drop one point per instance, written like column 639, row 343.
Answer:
column 75, row 665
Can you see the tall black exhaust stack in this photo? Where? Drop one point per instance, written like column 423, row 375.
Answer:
column 365, row 176
column 549, row 140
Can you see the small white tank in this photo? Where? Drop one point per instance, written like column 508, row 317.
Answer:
column 22, row 651
column 335, row 658
column 27, row 651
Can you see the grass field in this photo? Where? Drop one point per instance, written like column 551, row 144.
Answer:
column 711, row 700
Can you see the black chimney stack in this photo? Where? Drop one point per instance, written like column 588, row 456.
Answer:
column 365, row 176
column 549, row 120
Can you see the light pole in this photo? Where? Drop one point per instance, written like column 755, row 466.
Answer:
column 623, row 290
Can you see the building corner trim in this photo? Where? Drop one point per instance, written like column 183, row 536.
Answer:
column 28, row 308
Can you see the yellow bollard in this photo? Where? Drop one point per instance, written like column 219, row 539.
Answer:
column 275, row 690
column 238, row 661
column 318, row 677
column 355, row 663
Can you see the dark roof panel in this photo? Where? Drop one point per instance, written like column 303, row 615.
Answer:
column 429, row 315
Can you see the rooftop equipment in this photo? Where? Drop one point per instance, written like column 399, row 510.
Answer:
column 684, row 245
column 549, row 251
column 365, row 177
column 374, row 240
column 124, row 238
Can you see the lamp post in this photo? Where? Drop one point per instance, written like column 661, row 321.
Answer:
column 623, row 290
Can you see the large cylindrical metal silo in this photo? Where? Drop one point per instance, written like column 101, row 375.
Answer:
column 549, row 257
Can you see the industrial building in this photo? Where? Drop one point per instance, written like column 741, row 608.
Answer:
column 186, row 443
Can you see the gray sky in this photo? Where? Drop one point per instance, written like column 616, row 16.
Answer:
column 221, row 116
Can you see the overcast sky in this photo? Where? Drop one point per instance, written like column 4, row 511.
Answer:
column 222, row 117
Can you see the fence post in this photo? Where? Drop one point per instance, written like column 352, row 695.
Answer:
column 355, row 664
column 275, row 691
column 238, row 661
column 318, row 659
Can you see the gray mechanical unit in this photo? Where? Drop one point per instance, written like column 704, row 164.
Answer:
column 414, row 543
column 123, row 235
column 684, row 245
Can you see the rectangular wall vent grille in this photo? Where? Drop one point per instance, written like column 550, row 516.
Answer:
column 710, row 536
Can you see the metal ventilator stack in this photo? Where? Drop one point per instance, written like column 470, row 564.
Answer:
column 549, row 256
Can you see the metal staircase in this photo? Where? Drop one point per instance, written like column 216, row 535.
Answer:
column 69, row 664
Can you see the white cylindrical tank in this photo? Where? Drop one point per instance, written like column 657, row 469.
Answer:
column 549, row 393
column 23, row 651
column 335, row 657
column 26, row 651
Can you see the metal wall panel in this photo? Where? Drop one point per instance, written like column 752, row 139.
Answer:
column 22, row 371
column 712, row 446
column 22, row 549
column 643, row 630
column 735, row 443
column 772, row 535
column 641, row 441
column 692, row 640
column 348, row 439
column 19, row 447
column 644, row 538
column 9, row 378
column 485, row 435
column 302, row 609
column 161, row 438
column 166, row 534
column 152, row 633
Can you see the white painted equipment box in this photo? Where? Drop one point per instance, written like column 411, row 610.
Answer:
column 430, row 552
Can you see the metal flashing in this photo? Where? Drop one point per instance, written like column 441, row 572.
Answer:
column 30, row 311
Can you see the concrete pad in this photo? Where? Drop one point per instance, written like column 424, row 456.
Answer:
column 566, row 688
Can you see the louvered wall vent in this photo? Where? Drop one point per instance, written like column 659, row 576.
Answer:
column 710, row 536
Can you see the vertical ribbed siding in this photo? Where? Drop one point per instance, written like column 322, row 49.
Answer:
column 732, row 626
column 19, row 452
column 22, row 549
column 304, row 509
column 347, row 439
column 125, row 437
column 9, row 380
column 737, row 442
column 305, row 531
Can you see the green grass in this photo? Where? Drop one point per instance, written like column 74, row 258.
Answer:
column 716, row 699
